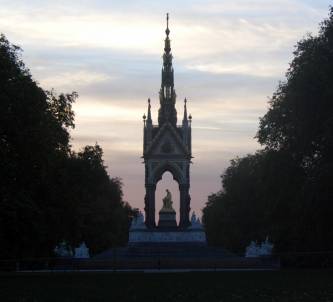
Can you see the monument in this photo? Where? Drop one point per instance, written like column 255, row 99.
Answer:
column 167, row 146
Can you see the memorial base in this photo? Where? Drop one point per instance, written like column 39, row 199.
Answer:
column 167, row 230
column 166, row 236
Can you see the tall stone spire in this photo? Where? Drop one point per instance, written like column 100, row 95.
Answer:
column 167, row 111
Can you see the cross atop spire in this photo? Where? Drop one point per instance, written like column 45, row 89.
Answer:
column 167, row 31
column 167, row 47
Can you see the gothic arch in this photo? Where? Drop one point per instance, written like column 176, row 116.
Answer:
column 181, row 177
column 175, row 171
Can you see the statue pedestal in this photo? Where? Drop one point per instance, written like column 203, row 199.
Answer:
column 167, row 219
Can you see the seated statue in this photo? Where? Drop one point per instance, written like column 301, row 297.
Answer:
column 167, row 201
column 167, row 213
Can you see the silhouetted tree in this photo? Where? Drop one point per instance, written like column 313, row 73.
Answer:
column 285, row 191
column 47, row 192
column 300, row 122
column 259, row 199
column 95, row 211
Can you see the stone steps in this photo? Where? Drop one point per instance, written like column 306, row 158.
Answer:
column 180, row 256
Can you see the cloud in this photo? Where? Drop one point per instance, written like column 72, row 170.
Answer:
column 74, row 79
column 144, row 33
column 228, row 57
column 250, row 68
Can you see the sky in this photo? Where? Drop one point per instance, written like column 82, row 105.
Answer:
column 229, row 57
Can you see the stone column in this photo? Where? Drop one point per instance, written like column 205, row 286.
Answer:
column 185, row 199
column 150, row 205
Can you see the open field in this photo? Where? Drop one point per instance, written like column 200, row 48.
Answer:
column 284, row 285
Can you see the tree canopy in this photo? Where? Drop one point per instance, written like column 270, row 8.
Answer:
column 284, row 191
column 299, row 119
column 49, row 193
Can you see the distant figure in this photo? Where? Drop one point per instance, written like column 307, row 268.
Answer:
column 167, row 200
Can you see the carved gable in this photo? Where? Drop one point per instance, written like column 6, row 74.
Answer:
column 167, row 142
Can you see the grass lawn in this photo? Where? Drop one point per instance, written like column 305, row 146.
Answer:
column 284, row 285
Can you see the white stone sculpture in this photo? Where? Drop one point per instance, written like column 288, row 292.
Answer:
column 259, row 249
column 193, row 218
column 82, row 251
column 138, row 222
column 195, row 222
column 63, row 250
column 266, row 247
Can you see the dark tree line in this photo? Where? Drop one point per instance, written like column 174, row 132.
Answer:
column 49, row 193
column 285, row 191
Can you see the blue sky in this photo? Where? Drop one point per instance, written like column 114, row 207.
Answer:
column 228, row 58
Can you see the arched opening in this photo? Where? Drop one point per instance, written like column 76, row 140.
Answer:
column 167, row 182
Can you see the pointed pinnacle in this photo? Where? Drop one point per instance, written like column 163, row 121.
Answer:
column 167, row 31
